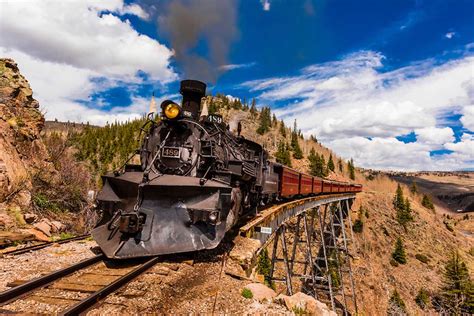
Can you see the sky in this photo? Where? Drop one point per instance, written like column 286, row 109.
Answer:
column 387, row 83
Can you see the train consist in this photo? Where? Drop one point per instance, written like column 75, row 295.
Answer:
column 194, row 181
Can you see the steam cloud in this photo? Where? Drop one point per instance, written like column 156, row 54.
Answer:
column 188, row 22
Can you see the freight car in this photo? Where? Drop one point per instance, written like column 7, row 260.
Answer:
column 194, row 181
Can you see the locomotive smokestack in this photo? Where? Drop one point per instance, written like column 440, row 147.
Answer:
column 192, row 92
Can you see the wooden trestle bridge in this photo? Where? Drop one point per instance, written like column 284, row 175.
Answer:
column 307, row 243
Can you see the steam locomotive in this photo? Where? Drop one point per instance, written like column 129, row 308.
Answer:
column 194, row 181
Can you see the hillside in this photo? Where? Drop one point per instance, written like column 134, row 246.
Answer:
column 62, row 153
column 453, row 191
column 430, row 234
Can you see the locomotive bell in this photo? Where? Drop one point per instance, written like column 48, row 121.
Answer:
column 192, row 91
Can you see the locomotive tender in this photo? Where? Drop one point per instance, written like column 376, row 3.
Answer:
column 194, row 181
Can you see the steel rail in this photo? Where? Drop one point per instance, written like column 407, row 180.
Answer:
column 25, row 288
column 43, row 245
column 93, row 299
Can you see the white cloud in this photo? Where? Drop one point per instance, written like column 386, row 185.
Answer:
column 265, row 5
column 464, row 147
column 70, row 50
column 354, row 105
column 434, row 136
column 237, row 66
column 450, row 35
column 76, row 33
column 134, row 9
column 467, row 119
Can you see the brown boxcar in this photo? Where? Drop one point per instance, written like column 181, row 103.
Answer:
column 289, row 182
column 326, row 186
column 306, row 184
column 317, row 185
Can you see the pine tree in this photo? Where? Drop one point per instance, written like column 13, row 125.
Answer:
column 399, row 200
column 399, row 254
column 351, row 169
column 316, row 164
column 413, row 188
column 212, row 108
column 245, row 105
column 339, row 163
column 458, row 289
column 297, row 152
column 265, row 121
column 324, row 170
column 313, row 160
column 283, row 154
column 253, row 107
column 313, row 138
column 282, row 128
column 236, row 104
column 274, row 120
column 331, row 163
column 396, row 305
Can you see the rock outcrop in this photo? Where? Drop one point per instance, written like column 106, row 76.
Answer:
column 22, row 153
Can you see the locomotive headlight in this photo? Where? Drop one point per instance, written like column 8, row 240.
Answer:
column 172, row 110
column 213, row 217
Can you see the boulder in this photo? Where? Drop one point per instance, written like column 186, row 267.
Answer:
column 242, row 257
column 261, row 292
column 38, row 235
column 57, row 227
column 30, row 217
column 43, row 227
column 23, row 199
column 6, row 222
column 305, row 304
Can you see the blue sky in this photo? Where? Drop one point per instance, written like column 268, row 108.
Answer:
column 389, row 83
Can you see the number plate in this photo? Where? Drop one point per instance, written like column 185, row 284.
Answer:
column 214, row 118
column 266, row 230
column 170, row 152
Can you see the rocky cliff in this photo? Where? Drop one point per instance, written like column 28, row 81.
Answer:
column 22, row 153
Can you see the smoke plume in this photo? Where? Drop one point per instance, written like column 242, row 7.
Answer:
column 188, row 23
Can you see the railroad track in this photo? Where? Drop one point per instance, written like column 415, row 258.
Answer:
column 77, row 288
column 19, row 251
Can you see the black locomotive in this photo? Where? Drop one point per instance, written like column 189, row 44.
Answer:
column 195, row 180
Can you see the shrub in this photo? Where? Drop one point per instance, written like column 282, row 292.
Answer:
column 358, row 226
column 396, row 305
column 399, row 254
column 413, row 188
column 65, row 235
column 422, row 258
column 246, row 293
column 422, row 298
column 449, row 226
column 426, row 202
column 264, row 267
column 298, row 310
